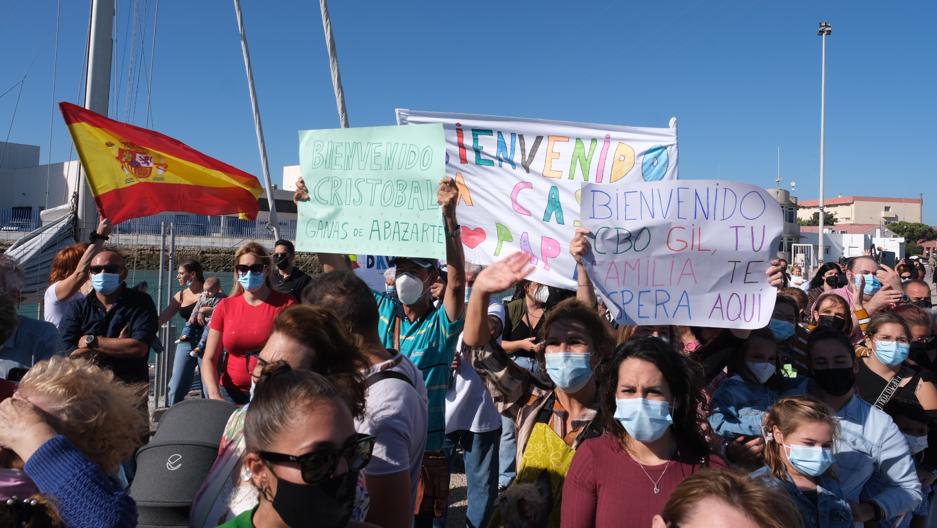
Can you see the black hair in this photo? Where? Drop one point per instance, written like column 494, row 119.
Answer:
column 685, row 378
column 287, row 244
column 829, row 334
column 347, row 296
column 817, row 280
column 194, row 266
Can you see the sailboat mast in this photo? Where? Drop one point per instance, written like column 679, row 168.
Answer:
column 273, row 225
column 97, row 94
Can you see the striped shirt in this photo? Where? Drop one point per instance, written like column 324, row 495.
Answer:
column 429, row 342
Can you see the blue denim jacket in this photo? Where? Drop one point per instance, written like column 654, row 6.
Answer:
column 873, row 460
column 738, row 407
column 831, row 509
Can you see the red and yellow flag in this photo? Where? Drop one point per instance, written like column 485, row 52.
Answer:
column 136, row 172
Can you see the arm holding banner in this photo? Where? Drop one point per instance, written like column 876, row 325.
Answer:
column 579, row 248
column 454, row 300
column 72, row 284
column 329, row 261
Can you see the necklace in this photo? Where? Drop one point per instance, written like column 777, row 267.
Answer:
column 656, row 483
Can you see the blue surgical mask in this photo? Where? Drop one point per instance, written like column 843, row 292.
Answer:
column 105, row 283
column 782, row 330
column 468, row 293
column 810, row 460
column 644, row 420
column 251, row 280
column 390, row 291
column 891, row 353
column 872, row 284
column 570, row 371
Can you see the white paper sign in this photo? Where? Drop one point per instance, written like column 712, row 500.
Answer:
column 689, row 252
column 520, row 180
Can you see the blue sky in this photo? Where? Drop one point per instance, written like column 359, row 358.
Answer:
column 742, row 77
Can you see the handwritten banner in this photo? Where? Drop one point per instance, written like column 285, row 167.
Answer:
column 689, row 252
column 372, row 190
column 520, row 180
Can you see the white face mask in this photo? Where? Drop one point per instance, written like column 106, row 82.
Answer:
column 761, row 371
column 542, row 294
column 409, row 288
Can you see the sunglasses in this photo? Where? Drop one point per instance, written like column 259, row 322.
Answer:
column 108, row 268
column 256, row 268
column 321, row 463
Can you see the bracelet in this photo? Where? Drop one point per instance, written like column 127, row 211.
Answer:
column 94, row 236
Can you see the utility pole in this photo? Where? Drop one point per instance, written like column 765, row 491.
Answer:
column 825, row 30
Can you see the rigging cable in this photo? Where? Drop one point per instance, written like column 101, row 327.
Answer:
column 55, row 63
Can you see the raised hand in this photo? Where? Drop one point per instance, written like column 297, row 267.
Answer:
column 104, row 227
column 580, row 246
column 448, row 196
column 23, row 428
column 504, row 274
column 775, row 273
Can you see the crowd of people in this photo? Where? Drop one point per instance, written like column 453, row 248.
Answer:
column 355, row 406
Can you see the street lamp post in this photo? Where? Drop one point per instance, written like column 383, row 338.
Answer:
column 824, row 30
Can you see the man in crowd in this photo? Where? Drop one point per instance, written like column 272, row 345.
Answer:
column 287, row 278
column 881, row 286
column 427, row 335
column 29, row 340
column 114, row 325
column 395, row 404
column 918, row 292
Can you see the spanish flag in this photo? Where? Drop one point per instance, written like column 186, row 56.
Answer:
column 136, row 172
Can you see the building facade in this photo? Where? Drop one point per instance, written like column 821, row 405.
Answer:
column 866, row 209
column 790, row 232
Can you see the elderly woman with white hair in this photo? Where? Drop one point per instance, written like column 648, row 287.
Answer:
column 473, row 422
column 31, row 340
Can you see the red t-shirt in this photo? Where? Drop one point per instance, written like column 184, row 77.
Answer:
column 605, row 486
column 244, row 329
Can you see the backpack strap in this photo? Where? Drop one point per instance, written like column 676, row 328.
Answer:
column 386, row 374
column 889, row 391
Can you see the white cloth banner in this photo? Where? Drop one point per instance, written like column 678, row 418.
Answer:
column 520, row 180
column 688, row 252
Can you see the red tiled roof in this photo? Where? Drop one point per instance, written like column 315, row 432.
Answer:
column 846, row 200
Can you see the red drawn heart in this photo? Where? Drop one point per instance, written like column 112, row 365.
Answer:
column 473, row 237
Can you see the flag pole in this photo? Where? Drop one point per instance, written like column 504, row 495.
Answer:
column 333, row 63
column 272, row 224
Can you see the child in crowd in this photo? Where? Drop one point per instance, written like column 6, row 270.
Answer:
column 210, row 297
column 799, row 457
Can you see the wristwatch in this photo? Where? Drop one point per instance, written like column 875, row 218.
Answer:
column 94, row 236
column 91, row 340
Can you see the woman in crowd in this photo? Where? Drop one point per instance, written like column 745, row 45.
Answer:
column 304, row 337
column 726, row 499
column 923, row 343
column 874, row 465
column 831, row 310
column 303, row 455
column 240, row 325
column 71, row 425
column 68, row 276
column 888, row 340
column 828, row 278
column 552, row 416
column 799, row 459
column 191, row 277
column 741, row 401
column 650, row 396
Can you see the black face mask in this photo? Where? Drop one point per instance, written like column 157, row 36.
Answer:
column 836, row 281
column 835, row 381
column 831, row 321
column 281, row 260
column 328, row 503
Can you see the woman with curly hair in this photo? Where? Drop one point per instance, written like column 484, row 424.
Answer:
column 649, row 396
column 71, row 425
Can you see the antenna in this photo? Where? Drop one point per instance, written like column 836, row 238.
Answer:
column 777, row 180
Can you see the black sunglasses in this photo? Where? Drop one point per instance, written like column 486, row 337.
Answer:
column 321, row 463
column 109, row 268
column 256, row 268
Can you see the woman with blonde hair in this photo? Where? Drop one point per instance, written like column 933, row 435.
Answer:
column 240, row 325
column 71, row 425
column 799, row 457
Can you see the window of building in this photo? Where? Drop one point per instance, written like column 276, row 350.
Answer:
column 887, row 208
